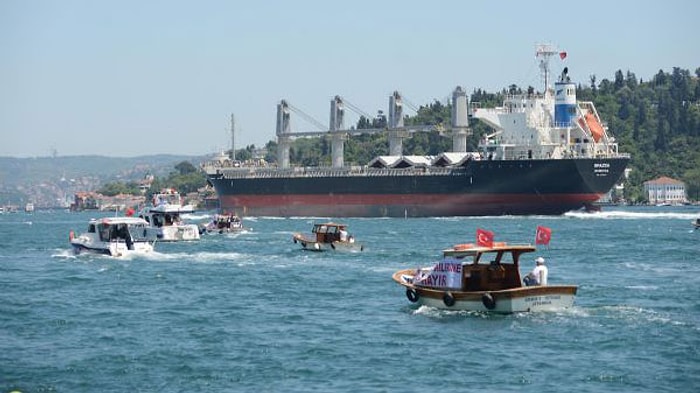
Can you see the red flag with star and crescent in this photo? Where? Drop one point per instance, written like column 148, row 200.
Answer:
column 543, row 235
column 484, row 238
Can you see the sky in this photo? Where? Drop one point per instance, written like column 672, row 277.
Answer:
column 130, row 78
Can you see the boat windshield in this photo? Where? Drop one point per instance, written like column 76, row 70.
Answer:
column 121, row 231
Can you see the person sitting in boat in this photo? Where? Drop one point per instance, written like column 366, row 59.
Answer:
column 538, row 275
column 343, row 234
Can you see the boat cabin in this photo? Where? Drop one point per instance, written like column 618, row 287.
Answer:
column 484, row 268
column 126, row 230
column 330, row 232
column 159, row 219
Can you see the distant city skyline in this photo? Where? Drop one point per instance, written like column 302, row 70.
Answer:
column 133, row 78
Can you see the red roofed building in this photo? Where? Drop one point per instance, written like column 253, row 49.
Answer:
column 664, row 190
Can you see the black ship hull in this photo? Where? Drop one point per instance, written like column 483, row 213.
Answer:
column 507, row 187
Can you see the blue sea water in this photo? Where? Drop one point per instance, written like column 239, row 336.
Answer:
column 253, row 313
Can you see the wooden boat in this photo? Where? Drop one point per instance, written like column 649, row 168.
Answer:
column 115, row 236
column 476, row 278
column 328, row 236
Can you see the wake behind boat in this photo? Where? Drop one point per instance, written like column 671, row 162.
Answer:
column 114, row 236
column 478, row 278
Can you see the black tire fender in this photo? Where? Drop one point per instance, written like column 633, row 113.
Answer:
column 488, row 300
column 412, row 295
column 448, row 299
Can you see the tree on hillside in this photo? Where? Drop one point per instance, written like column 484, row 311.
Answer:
column 185, row 167
column 116, row 188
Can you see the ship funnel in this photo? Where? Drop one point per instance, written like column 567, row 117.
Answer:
column 564, row 101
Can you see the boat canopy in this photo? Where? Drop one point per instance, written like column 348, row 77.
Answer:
column 461, row 251
column 328, row 227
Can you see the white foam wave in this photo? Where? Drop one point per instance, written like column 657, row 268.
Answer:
column 198, row 257
column 639, row 315
column 196, row 217
column 67, row 254
column 629, row 215
column 642, row 287
column 437, row 313
column 247, row 231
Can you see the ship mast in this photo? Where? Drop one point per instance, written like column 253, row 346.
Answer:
column 233, row 139
column 544, row 52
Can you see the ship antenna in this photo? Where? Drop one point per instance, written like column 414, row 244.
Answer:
column 544, row 52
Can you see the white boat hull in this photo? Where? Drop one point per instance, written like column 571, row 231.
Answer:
column 85, row 245
column 173, row 233
column 533, row 303
column 115, row 236
column 333, row 246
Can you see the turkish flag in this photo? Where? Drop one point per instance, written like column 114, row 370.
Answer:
column 484, row 238
column 543, row 235
column 562, row 55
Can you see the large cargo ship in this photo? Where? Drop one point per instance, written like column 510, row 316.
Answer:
column 548, row 154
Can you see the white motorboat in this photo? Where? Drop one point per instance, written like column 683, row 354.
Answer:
column 115, row 236
column 164, row 218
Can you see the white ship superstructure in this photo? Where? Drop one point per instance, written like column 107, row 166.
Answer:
column 549, row 125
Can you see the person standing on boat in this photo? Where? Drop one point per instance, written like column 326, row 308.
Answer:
column 538, row 275
column 343, row 234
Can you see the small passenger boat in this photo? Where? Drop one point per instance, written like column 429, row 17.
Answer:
column 115, row 236
column 328, row 236
column 479, row 278
column 224, row 223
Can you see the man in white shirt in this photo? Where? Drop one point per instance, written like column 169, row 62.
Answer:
column 538, row 275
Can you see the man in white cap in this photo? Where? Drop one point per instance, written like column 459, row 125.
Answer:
column 538, row 275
